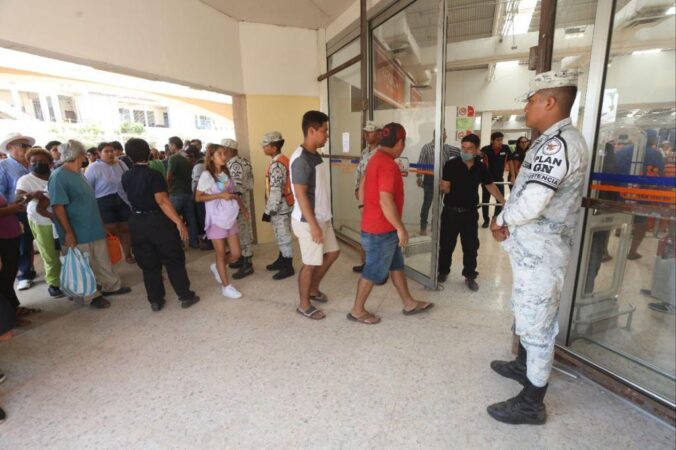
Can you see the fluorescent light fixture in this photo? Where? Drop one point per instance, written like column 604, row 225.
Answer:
column 573, row 35
column 671, row 11
column 646, row 52
column 512, row 118
column 505, row 64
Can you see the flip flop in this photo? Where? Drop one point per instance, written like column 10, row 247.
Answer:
column 22, row 311
column 310, row 313
column 418, row 309
column 364, row 319
column 319, row 297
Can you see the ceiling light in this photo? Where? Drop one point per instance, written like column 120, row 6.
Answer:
column 646, row 52
column 512, row 118
column 521, row 20
column 671, row 11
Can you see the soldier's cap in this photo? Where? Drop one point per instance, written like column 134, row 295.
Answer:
column 392, row 132
column 229, row 143
column 15, row 137
column 271, row 137
column 549, row 80
column 371, row 126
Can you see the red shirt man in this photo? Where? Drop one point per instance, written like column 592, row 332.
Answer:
column 383, row 232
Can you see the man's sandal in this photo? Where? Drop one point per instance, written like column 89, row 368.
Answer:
column 311, row 313
column 422, row 307
column 366, row 319
column 22, row 311
column 319, row 297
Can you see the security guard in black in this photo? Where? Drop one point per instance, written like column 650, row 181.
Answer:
column 155, row 238
column 495, row 158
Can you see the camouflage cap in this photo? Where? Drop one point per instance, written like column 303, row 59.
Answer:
column 371, row 126
column 549, row 80
column 229, row 143
column 269, row 138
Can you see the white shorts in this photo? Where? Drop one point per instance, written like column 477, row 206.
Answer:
column 312, row 252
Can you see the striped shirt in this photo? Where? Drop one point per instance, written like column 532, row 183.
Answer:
column 427, row 157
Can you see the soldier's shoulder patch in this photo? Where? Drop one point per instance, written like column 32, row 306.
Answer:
column 553, row 146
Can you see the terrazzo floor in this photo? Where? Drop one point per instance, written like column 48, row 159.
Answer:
column 251, row 373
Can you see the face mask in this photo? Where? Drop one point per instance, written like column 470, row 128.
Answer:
column 467, row 156
column 40, row 168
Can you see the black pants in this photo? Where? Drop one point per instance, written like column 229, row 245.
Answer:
column 156, row 242
column 26, row 270
column 486, row 197
column 465, row 224
column 9, row 254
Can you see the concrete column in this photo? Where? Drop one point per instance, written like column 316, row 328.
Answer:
column 486, row 128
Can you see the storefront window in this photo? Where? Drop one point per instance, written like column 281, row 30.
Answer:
column 623, row 318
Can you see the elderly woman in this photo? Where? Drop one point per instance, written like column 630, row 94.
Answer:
column 105, row 178
column 33, row 188
column 79, row 223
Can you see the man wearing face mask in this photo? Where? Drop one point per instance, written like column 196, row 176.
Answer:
column 460, row 183
column 33, row 187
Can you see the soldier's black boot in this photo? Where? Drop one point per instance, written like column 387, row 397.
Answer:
column 526, row 408
column 245, row 270
column 516, row 370
column 275, row 265
column 286, row 270
column 236, row 264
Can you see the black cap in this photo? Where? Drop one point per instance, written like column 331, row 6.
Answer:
column 391, row 134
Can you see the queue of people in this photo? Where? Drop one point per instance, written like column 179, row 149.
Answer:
column 122, row 193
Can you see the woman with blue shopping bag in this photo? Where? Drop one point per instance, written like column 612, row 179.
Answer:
column 79, row 224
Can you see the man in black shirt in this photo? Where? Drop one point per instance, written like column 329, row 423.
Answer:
column 460, row 182
column 155, row 239
column 494, row 157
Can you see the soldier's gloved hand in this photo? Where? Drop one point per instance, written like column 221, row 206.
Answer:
column 266, row 217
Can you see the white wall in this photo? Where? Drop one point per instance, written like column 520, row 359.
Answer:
column 279, row 60
column 173, row 40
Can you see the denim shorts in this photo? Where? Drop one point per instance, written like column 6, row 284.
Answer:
column 383, row 255
column 113, row 209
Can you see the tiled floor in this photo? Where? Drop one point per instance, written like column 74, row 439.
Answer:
column 252, row 373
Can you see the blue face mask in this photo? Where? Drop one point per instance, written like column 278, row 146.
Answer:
column 467, row 156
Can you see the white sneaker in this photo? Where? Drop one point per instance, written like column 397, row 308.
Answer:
column 230, row 292
column 214, row 270
column 22, row 285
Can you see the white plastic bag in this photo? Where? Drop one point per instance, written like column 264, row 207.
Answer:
column 77, row 277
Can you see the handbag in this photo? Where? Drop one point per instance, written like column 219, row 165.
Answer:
column 77, row 278
column 114, row 248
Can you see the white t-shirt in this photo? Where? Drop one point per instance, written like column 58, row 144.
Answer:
column 31, row 183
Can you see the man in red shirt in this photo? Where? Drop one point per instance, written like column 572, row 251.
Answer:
column 383, row 233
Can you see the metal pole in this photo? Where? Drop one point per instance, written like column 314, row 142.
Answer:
column 363, row 41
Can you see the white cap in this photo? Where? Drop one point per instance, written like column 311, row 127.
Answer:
column 269, row 138
column 229, row 143
column 371, row 126
column 15, row 137
column 549, row 80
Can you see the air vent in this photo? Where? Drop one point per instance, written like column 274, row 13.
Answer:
column 646, row 16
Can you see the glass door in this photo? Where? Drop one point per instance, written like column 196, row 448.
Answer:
column 406, row 89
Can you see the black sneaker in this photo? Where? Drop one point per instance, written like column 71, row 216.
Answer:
column 55, row 292
column 3, row 416
column 485, row 224
column 157, row 306
column 3, row 377
column 442, row 277
column 358, row 269
column 100, row 302
column 188, row 303
column 472, row 284
column 122, row 290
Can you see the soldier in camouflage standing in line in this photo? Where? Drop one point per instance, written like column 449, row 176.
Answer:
column 536, row 228
column 372, row 134
column 279, row 203
column 241, row 173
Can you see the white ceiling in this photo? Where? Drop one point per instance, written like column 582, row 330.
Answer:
column 311, row 14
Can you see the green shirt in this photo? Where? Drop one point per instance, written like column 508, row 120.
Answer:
column 181, row 171
column 157, row 165
column 71, row 190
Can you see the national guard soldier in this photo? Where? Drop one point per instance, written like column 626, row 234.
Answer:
column 278, row 203
column 372, row 134
column 536, row 228
column 240, row 171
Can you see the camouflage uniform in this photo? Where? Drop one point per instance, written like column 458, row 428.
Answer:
column 277, row 207
column 366, row 155
column 241, row 173
column 541, row 214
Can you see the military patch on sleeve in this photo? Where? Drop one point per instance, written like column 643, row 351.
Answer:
column 550, row 164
